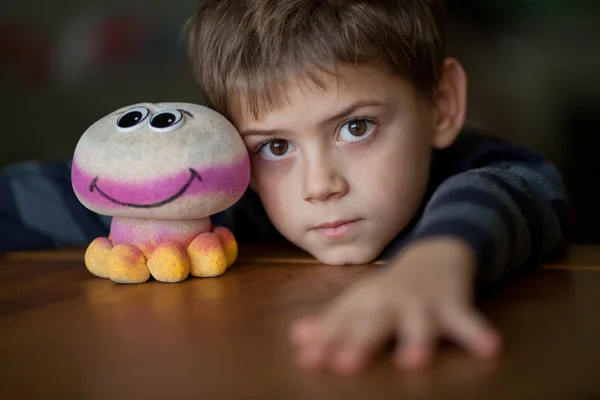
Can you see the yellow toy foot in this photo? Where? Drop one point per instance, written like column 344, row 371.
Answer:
column 207, row 256
column 169, row 263
column 228, row 242
column 127, row 264
column 96, row 256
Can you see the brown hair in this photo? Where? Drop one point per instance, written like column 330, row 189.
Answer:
column 251, row 47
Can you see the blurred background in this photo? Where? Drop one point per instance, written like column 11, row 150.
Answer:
column 533, row 76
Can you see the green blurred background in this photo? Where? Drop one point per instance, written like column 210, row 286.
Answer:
column 533, row 76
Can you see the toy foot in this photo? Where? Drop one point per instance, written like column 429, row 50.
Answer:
column 228, row 242
column 96, row 256
column 207, row 256
column 127, row 264
column 169, row 263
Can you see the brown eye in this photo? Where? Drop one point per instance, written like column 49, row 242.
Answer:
column 276, row 149
column 358, row 128
column 279, row 147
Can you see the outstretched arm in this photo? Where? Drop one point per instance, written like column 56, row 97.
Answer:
column 495, row 208
column 508, row 203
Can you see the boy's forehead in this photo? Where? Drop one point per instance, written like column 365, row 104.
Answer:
column 308, row 93
column 255, row 106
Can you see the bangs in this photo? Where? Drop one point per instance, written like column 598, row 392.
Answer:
column 247, row 54
column 253, row 95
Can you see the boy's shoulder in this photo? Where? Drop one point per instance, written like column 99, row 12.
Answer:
column 475, row 149
column 483, row 189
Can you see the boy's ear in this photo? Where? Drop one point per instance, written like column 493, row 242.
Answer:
column 450, row 103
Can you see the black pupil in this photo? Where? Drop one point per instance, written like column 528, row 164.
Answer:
column 279, row 147
column 163, row 120
column 358, row 128
column 130, row 119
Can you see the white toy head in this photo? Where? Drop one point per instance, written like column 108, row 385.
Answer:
column 160, row 161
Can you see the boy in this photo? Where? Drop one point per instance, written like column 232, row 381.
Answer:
column 353, row 115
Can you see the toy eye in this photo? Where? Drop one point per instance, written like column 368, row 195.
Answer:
column 166, row 121
column 133, row 119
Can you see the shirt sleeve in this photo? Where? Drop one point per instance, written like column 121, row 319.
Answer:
column 38, row 208
column 506, row 201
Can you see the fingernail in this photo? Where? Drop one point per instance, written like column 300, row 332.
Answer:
column 414, row 358
column 301, row 331
column 347, row 361
column 489, row 345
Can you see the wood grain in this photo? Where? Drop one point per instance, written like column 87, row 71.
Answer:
column 67, row 334
column 584, row 257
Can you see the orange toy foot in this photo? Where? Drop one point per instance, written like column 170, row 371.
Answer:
column 127, row 264
column 96, row 256
column 207, row 256
column 169, row 263
column 228, row 242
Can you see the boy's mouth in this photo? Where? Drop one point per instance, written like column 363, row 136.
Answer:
column 336, row 229
column 334, row 224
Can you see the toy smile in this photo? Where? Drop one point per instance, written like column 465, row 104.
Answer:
column 193, row 175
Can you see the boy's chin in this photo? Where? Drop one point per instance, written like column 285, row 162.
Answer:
column 344, row 255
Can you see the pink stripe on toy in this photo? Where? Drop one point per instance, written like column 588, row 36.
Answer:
column 231, row 179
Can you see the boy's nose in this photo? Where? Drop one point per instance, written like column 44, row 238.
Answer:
column 323, row 182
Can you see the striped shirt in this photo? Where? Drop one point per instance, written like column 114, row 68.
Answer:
column 507, row 201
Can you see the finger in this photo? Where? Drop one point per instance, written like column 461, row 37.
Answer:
column 362, row 334
column 470, row 330
column 347, row 333
column 305, row 335
column 303, row 330
column 315, row 337
column 417, row 333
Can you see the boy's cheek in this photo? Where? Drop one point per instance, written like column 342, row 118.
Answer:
column 274, row 191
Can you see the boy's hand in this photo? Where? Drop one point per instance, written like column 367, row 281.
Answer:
column 425, row 293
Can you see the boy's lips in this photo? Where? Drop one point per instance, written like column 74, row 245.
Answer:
column 336, row 228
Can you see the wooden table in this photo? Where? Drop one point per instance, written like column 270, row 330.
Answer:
column 66, row 334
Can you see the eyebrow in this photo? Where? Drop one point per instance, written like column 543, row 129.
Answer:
column 351, row 109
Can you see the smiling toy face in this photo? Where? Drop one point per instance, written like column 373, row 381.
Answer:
column 160, row 161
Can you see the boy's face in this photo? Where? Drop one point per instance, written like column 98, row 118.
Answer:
column 341, row 171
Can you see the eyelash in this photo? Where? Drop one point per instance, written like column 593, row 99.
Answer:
column 264, row 143
column 371, row 120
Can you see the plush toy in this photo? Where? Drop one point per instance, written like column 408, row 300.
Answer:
column 161, row 170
